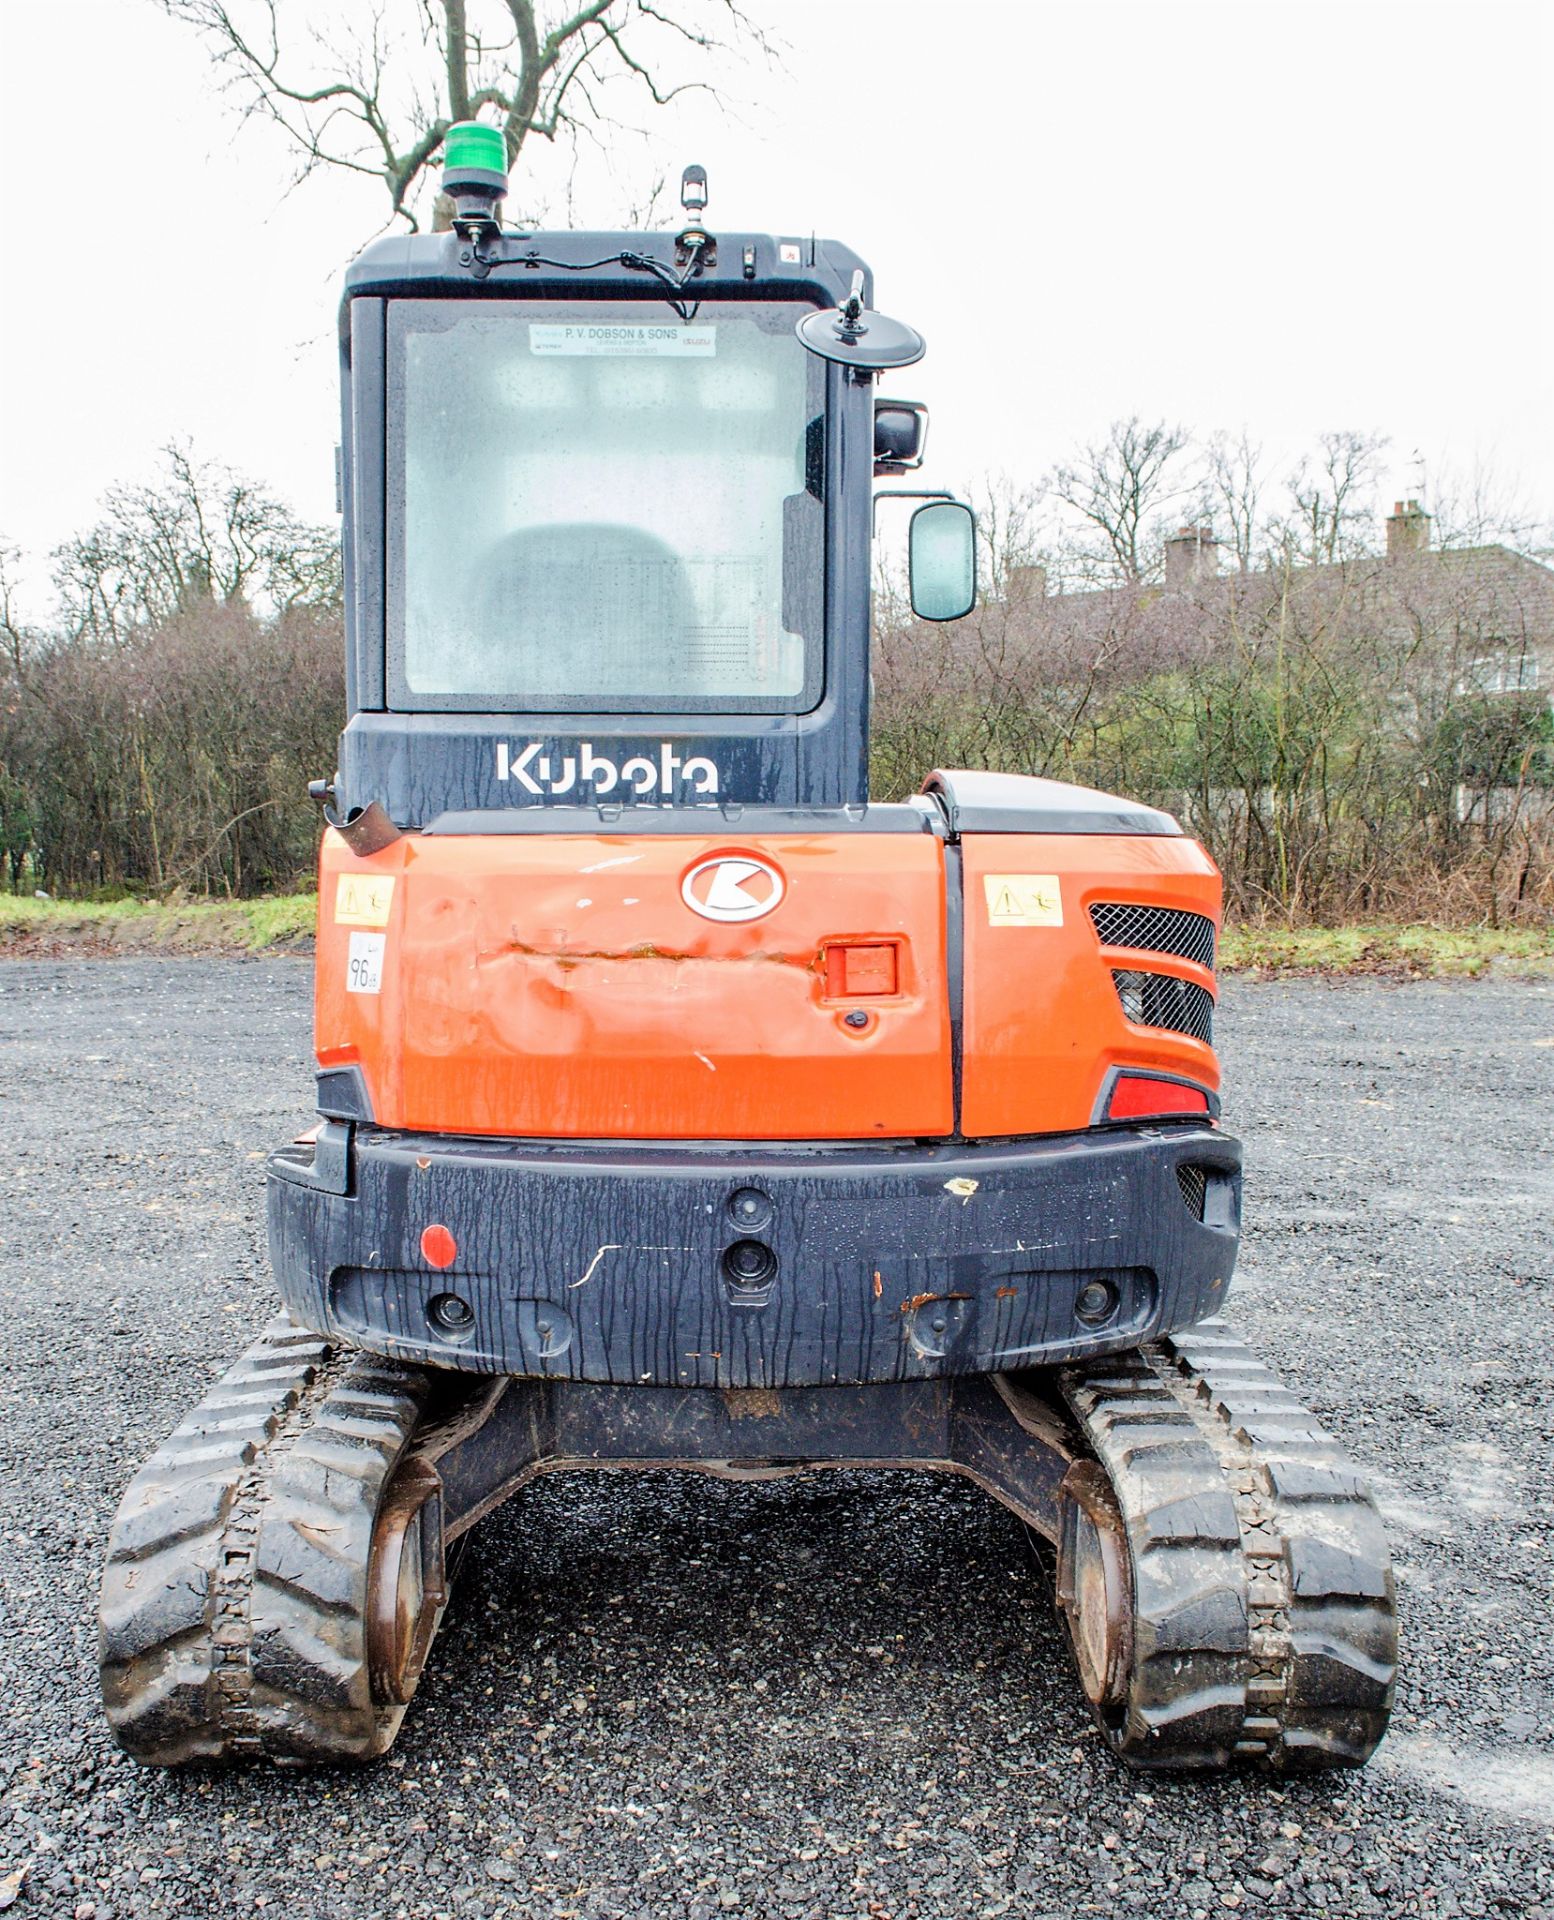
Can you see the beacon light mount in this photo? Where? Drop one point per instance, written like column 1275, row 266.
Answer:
column 474, row 177
column 695, row 247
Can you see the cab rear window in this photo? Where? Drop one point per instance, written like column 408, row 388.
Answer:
column 596, row 507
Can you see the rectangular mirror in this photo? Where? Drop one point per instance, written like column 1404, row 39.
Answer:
column 942, row 560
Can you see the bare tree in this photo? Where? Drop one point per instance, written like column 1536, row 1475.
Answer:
column 1332, row 504
column 1233, row 482
column 1120, row 487
column 1011, row 530
column 1476, row 506
column 14, row 634
column 201, row 533
column 376, row 94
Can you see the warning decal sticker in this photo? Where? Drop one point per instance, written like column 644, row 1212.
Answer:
column 364, row 899
column 1023, row 899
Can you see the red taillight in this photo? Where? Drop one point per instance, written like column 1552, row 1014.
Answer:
column 1139, row 1096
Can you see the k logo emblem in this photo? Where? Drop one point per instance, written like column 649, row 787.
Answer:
column 732, row 886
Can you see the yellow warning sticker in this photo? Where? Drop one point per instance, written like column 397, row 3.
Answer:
column 364, row 899
column 1023, row 899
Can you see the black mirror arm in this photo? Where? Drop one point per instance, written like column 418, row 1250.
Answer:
column 907, row 493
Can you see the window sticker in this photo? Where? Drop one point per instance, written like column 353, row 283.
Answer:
column 1023, row 899
column 364, row 963
column 630, row 343
column 363, row 899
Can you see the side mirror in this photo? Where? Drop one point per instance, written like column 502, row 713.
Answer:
column 856, row 336
column 942, row 560
column 900, row 435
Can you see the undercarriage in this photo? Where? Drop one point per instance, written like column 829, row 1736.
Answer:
column 279, row 1568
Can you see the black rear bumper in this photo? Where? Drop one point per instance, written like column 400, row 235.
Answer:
column 642, row 1266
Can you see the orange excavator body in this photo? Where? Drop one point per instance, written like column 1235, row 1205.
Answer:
column 653, row 1049
column 562, row 985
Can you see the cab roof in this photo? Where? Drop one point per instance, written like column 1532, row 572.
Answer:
column 584, row 265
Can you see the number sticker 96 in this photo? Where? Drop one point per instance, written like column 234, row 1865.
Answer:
column 364, row 963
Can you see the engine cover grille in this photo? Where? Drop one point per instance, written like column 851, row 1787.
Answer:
column 1161, row 1000
column 1123, row 923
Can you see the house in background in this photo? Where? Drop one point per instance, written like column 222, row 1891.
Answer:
column 1487, row 610
column 1446, row 651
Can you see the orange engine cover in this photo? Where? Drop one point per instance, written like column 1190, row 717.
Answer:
column 567, row 986
column 1043, row 1023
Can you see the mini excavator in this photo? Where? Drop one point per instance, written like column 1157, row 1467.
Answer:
column 681, row 1105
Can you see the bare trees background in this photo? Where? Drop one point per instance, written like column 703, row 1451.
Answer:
column 374, row 91
column 1102, row 516
column 1335, row 748
column 1350, row 735
column 1117, row 489
column 197, row 532
column 160, row 731
column 1331, row 514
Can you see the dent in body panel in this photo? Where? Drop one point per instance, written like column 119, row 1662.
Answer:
column 560, row 985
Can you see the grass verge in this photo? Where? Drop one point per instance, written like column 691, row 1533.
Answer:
column 1401, row 952
column 284, row 923
column 45, row 927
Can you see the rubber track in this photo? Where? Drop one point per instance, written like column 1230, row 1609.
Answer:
column 1265, row 1629
column 233, row 1599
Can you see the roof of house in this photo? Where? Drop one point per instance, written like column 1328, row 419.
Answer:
column 1507, row 596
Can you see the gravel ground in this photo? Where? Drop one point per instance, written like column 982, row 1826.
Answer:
column 657, row 1695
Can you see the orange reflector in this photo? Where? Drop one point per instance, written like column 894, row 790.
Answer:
column 1137, row 1096
column 864, row 970
column 438, row 1247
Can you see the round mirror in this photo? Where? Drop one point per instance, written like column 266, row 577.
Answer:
column 863, row 338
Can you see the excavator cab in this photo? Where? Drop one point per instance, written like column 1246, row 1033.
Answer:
column 682, row 1103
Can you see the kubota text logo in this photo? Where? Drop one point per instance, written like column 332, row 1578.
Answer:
column 732, row 886
column 593, row 773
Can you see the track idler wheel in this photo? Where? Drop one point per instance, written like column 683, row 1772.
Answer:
column 407, row 1584
column 1095, row 1583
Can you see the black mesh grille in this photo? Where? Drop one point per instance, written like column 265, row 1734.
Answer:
column 1120, row 923
column 1194, row 1183
column 1161, row 1000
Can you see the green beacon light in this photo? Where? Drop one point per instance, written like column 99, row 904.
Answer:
column 474, row 175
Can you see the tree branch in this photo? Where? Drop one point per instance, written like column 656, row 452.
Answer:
column 456, row 58
column 379, row 99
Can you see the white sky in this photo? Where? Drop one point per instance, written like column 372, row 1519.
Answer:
column 1290, row 216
